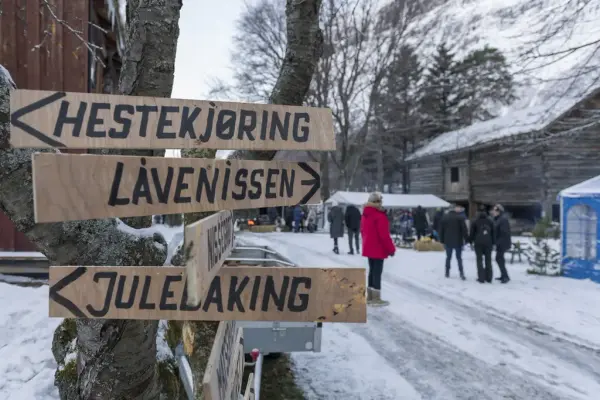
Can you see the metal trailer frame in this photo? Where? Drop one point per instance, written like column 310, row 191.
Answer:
column 272, row 337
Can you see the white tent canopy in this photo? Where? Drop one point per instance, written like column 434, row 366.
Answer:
column 389, row 200
column 586, row 188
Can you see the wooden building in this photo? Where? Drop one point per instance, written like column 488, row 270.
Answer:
column 524, row 169
column 60, row 45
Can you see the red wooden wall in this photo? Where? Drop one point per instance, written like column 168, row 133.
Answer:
column 41, row 53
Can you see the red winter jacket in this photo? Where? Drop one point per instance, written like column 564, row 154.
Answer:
column 375, row 232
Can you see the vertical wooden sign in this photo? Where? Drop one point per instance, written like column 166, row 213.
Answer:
column 208, row 243
column 222, row 375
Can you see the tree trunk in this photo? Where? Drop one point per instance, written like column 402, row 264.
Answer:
column 302, row 54
column 116, row 359
column 304, row 48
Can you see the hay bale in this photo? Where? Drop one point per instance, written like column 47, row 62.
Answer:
column 428, row 245
column 262, row 228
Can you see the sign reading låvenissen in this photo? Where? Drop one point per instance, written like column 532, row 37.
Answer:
column 208, row 242
column 91, row 120
column 78, row 187
column 236, row 293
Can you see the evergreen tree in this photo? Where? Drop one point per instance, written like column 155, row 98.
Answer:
column 484, row 83
column 543, row 259
column 403, row 93
column 440, row 99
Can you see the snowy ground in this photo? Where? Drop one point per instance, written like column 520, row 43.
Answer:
column 535, row 338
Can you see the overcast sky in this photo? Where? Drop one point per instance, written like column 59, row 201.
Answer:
column 203, row 49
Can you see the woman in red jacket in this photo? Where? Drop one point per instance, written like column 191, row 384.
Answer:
column 377, row 244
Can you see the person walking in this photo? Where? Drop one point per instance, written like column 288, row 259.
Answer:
column 453, row 234
column 377, row 245
column 503, row 240
column 352, row 218
column 420, row 220
column 298, row 216
column 481, row 235
column 336, row 225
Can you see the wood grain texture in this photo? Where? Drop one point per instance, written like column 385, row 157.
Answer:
column 78, row 187
column 136, row 122
column 223, row 374
column 236, row 293
column 208, row 243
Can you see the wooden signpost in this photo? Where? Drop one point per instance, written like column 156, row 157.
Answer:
column 225, row 368
column 77, row 187
column 208, row 243
column 236, row 293
column 249, row 392
column 91, row 121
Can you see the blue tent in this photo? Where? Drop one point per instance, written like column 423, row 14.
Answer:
column 580, row 248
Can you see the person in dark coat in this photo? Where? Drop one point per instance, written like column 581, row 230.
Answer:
column 298, row 216
column 453, row 234
column 437, row 221
column 336, row 226
column 482, row 237
column 352, row 218
column 420, row 221
column 503, row 240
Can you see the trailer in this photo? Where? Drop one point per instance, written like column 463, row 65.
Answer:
column 274, row 338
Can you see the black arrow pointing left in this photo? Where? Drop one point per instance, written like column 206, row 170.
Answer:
column 60, row 285
column 315, row 182
column 14, row 118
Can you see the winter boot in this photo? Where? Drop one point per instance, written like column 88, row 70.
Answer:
column 376, row 299
column 369, row 295
column 336, row 250
column 447, row 273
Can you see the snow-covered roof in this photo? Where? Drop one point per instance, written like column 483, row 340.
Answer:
column 591, row 187
column 389, row 200
column 548, row 86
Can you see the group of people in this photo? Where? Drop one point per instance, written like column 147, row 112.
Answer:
column 300, row 219
column 485, row 233
column 450, row 228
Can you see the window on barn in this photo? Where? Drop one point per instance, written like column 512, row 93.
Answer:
column 581, row 232
column 454, row 176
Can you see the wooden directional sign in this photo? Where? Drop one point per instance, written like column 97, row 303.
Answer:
column 236, row 293
column 208, row 243
column 223, row 374
column 89, row 120
column 77, row 187
column 249, row 392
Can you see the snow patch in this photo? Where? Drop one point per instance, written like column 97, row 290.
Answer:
column 163, row 352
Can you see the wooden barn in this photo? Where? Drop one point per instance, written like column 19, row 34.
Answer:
column 518, row 161
column 63, row 45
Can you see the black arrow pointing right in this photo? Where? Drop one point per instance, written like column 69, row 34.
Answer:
column 60, row 285
column 14, row 118
column 315, row 182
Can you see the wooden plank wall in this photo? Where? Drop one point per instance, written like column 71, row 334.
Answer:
column 506, row 177
column 426, row 176
column 571, row 160
column 42, row 51
column 457, row 191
